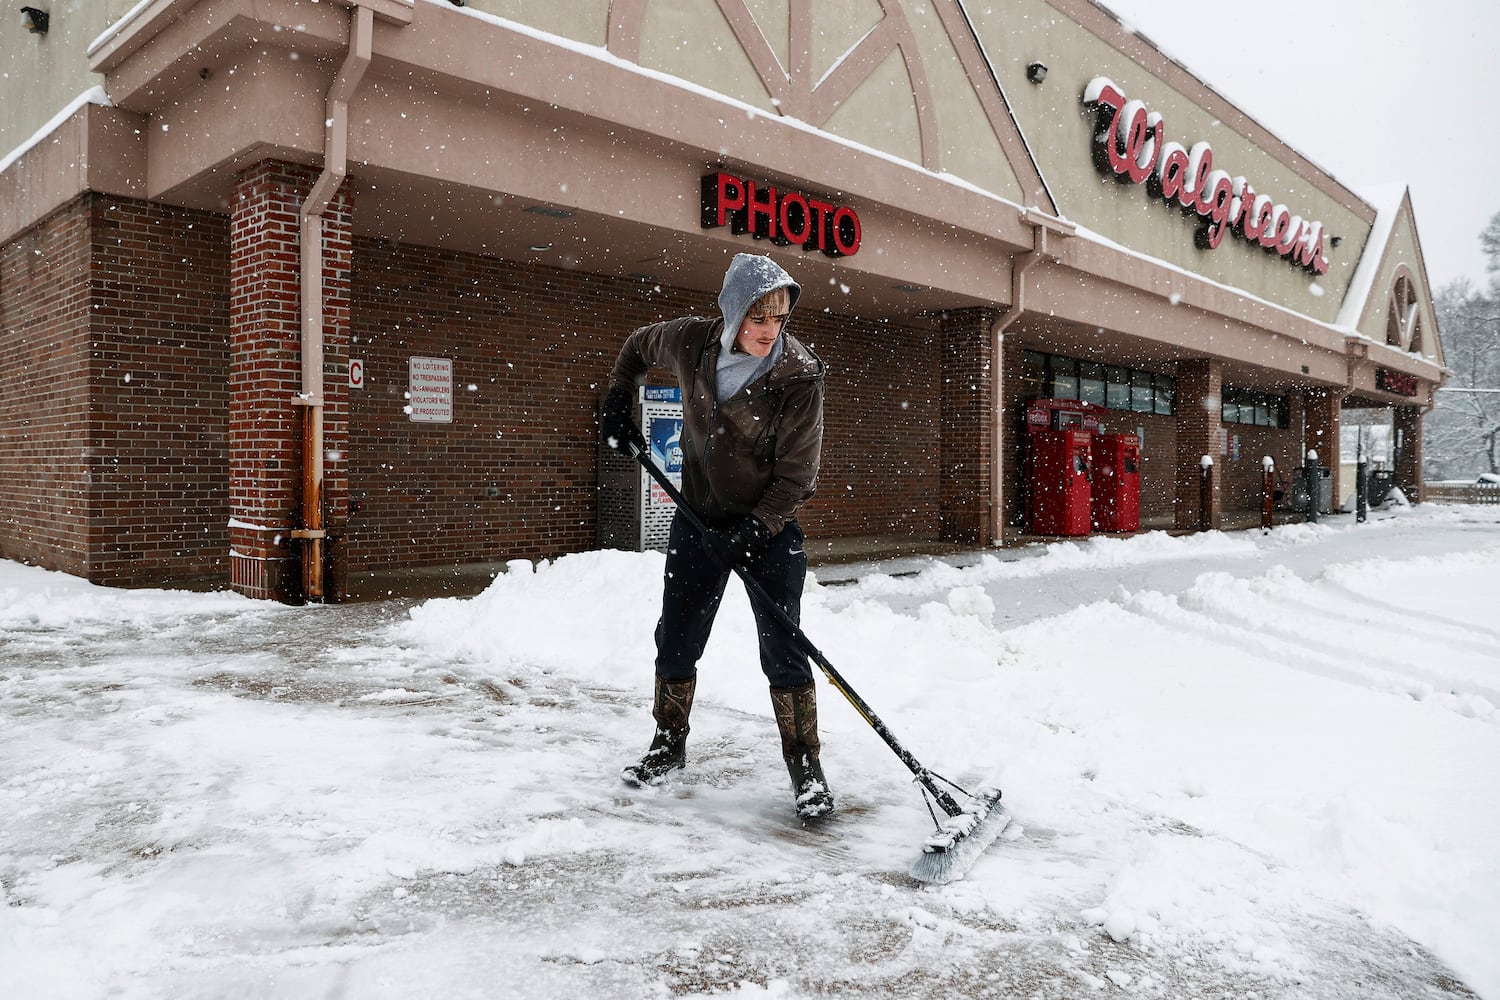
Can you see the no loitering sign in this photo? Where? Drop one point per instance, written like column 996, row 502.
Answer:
column 429, row 390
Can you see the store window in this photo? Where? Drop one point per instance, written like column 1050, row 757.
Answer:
column 1091, row 382
column 1259, row 409
column 1062, row 378
column 1112, row 386
column 1033, row 375
column 1142, row 399
column 1116, row 387
column 1165, row 394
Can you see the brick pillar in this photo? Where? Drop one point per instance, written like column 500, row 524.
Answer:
column 1322, row 411
column 1324, row 408
column 1200, row 431
column 966, row 432
column 1406, row 422
column 265, row 373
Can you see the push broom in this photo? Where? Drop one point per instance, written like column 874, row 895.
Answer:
column 964, row 828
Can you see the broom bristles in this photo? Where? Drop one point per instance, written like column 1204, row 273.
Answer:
column 959, row 841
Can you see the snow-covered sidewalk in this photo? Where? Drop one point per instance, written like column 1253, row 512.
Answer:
column 1239, row 765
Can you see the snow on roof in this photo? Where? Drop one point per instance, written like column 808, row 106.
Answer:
column 116, row 27
column 1387, row 200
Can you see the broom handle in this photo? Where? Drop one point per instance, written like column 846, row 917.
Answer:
column 758, row 593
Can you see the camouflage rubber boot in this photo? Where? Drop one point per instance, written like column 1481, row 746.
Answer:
column 668, row 751
column 797, row 718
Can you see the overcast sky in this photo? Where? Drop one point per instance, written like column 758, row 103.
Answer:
column 1376, row 92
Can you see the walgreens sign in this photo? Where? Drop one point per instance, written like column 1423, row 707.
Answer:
column 1130, row 143
column 780, row 216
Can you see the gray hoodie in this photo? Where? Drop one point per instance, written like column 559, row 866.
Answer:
column 748, row 278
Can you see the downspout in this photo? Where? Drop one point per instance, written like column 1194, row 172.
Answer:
column 335, row 167
column 1041, row 224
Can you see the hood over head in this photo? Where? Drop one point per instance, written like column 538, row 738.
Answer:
column 749, row 277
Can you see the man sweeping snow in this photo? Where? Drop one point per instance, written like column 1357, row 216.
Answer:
column 752, row 437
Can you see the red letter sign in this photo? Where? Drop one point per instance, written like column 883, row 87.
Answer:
column 779, row 216
column 1131, row 144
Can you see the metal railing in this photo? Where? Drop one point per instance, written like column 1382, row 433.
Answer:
column 1483, row 493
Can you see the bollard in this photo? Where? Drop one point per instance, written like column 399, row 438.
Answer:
column 1313, row 486
column 1206, row 493
column 1267, row 492
column 1361, row 491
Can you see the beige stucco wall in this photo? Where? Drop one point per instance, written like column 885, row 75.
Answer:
column 882, row 114
column 585, row 21
column 968, row 146
column 1401, row 251
column 692, row 40
column 45, row 72
column 1059, row 129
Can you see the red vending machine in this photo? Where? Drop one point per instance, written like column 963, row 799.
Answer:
column 1060, row 495
column 1055, row 477
column 1117, row 482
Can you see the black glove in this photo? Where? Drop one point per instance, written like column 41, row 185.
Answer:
column 615, row 423
column 738, row 544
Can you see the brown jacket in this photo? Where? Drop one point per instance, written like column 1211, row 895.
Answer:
column 755, row 453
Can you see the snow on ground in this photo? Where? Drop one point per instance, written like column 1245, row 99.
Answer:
column 1238, row 764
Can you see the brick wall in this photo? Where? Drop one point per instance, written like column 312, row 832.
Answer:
column 1324, row 410
column 1158, row 462
column 112, row 419
column 1243, row 479
column 159, row 406
column 531, row 348
column 967, row 439
column 882, row 453
column 1200, row 387
column 44, row 392
column 1407, row 421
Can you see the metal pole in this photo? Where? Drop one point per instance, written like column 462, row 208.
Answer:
column 1361, row 480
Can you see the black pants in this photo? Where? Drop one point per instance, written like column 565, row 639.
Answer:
column 694, row 586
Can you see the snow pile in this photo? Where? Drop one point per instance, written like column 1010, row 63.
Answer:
column 1224, row 753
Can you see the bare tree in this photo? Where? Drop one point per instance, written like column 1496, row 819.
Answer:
column 1489, row 241
column 1461, row 436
